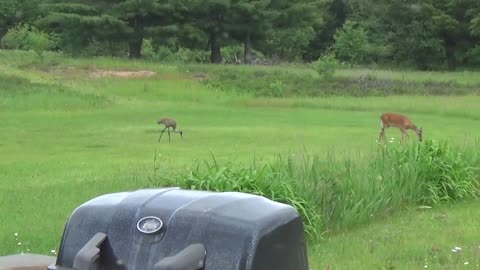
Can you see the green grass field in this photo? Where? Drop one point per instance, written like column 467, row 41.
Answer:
column 67, row 136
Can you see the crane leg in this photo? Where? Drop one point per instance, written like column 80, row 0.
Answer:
column 161, row 133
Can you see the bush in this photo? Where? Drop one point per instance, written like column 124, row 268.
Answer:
column 276, row 89
column 351, row 43
column 165, row 54
column 326, row 65
column 288, row 43
column 232, row 54
column 148, row 51
column 184, row 55
column 26, row 37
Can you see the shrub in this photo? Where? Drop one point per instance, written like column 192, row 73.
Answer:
column 276, row 89
column 351, row 43
column 326, row 65
column 184, row 55
column 148, row 51
column 164, row 54
column 26, row 37
column 232, row 54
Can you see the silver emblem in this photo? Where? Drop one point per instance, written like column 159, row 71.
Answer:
column 149, row 224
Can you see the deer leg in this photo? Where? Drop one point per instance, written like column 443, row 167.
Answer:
column 161, row 133
column 382, row 134
column 404, row 134
column 168, row 134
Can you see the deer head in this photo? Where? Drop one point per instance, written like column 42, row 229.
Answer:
column 419, row 132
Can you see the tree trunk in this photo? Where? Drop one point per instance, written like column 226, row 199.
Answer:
column 450, row 54
column 247, row 57
column 215, row 53
column 136, row 41
column 135, row 47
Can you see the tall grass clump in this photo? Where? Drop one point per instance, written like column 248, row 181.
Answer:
column 444, row 173
column 261, row 180
column 333, row 194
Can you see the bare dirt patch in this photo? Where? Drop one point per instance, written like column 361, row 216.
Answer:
column 99, row 73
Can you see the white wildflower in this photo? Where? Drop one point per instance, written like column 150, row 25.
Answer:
column 456, row 249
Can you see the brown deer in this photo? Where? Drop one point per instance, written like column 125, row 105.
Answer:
column 401, row 121
column 169, row 123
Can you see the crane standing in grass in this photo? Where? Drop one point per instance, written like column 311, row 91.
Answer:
column 169, row 123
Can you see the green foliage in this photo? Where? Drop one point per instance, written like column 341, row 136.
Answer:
column 191, row 56
column 147, row 49
column 234, row 54
column 261, row 81
column 104, row 48
column 26, row 37
column 20, row 94
column 14, row 12
column 289, row 43
column 335, row 194
column 50, row 138
column 164, row 54
column 475, row 26
column 426, row 35
column 351, row 43
column 264, row 181
column 446, row 173
column 77, row 32
column 276, row 89
column 326, row 65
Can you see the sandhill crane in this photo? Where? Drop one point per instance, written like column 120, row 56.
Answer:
column 169, row 123
column 398, row 120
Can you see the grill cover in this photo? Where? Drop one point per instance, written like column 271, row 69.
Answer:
column 238, row 232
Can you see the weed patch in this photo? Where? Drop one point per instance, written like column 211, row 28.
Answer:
column 282, row 83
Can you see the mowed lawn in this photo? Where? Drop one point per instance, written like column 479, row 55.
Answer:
column 77, row 136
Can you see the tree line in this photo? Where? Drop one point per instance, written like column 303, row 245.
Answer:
column 427, row 34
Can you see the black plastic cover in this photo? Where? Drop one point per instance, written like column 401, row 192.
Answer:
column 238, row 231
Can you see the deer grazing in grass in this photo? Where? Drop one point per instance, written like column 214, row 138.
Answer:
column 169, row 123
column 401, row 121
